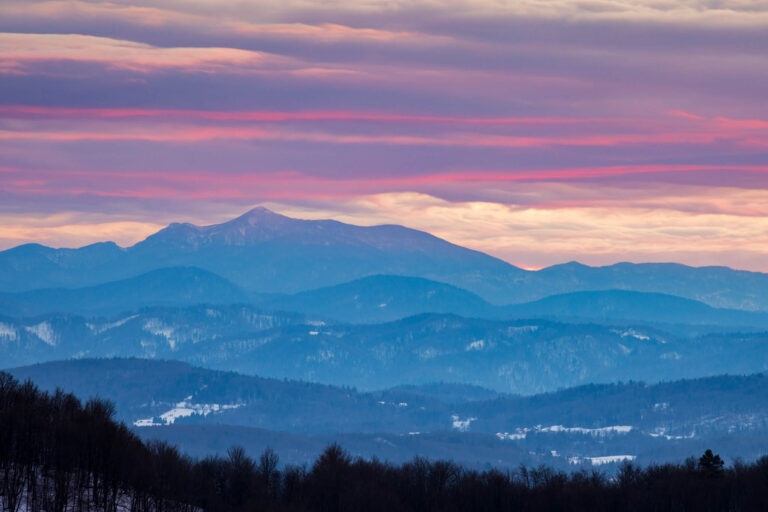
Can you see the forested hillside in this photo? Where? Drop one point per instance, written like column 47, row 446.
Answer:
column 57, row 454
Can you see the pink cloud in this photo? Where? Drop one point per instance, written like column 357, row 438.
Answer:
column 185, row 126
column 686, row 115
column 116, row 113
column 749, row 124
column 210, row 133
column 287, row 184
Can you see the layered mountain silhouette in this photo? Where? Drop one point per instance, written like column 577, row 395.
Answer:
column 521, row 356
column 625, row 306
column 399, row 343
column 376, row 299
column 177, row 286
column 203, row 411
column 383, row 298
column 264, row 252
column 387, row 298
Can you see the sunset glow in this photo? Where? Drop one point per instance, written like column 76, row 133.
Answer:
column 539, row 132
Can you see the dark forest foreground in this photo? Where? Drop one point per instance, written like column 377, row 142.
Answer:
column 58, row 455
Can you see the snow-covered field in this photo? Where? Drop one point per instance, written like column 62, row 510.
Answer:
column 184, row 409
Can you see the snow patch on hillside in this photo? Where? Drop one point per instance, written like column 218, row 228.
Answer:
column 521, row 329
column 44, row 331
column 516, row 436
column 475, row 345
column 184, row 409
column 631, row 333
column 8, row 331
column 662, row 432
column 598, row 461
column 155, row 327
column 461, row 425
column 601, row 431
column 98, row 329
column 522, row 433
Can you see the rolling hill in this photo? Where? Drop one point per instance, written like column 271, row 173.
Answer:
column 521, row 356
column 206, row 411
column 178, row 286
column 630, row 307
column 382, row 298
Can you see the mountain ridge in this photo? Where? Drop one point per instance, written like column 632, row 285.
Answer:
column 382, row 298
column 377, row 299
column 279, row 255
column 173, row 286
column 266, row 252
column 521, row 356
column 568, row 427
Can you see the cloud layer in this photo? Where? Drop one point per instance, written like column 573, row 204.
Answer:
column 540, row 132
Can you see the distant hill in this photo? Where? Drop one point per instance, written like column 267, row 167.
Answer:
column 447, row 392
column 145, row 389
column 382, row 298
column 721, row 287
column 264, row 252
column 150, row 332
column 623, row 306
column 520, row 356
column 376, row 299
column 178, row 286
column 388, row 298
column 574, row 427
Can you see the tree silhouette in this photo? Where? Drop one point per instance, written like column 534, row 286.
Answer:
column 711, row 464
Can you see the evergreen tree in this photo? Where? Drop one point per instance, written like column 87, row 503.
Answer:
column 711, row 464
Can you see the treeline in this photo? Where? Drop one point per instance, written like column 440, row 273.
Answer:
column 59, row 455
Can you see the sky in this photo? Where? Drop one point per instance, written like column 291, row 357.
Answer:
column 538, row 131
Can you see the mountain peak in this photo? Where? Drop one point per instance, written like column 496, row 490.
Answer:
column 274, row 252
column 255, row 225
column 258, row 215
